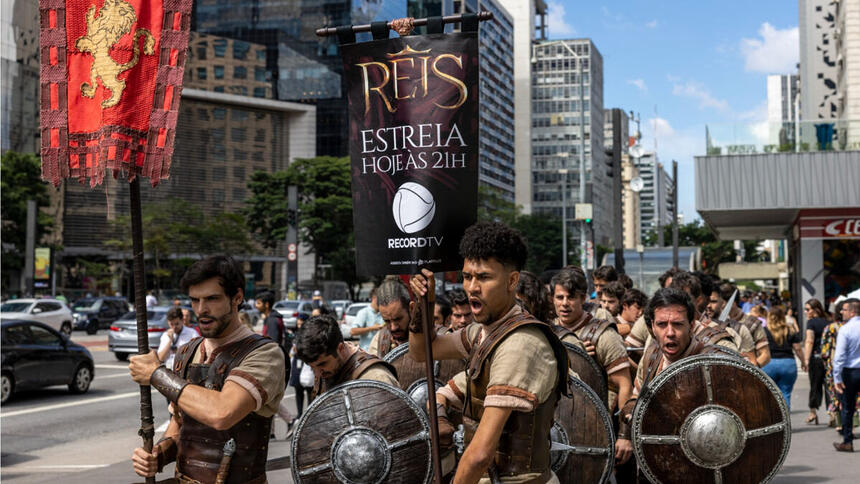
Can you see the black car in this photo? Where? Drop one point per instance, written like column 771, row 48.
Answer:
column 95, row 313
column 35, row 355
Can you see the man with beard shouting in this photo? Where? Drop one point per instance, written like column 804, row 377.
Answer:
column 516, row 368
column 224, row 386
column 395, row 307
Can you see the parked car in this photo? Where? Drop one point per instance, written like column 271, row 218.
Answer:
column 35, row 355
column 339, row 306
column 52, row 312
column 95, row 313
column 290, row 310
column 122, row 338
column 352, row 311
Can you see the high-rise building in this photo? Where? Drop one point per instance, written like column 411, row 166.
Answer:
column 19, row 76
column 529, row 18
column 567, row 102
column 848, row 70
column 655, row 199
column 631, row 214
column 818, row 70
column 782, row 108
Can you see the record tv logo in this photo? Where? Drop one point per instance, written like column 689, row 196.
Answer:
column 413, row 207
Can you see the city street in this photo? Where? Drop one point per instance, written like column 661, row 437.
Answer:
column 50, row 434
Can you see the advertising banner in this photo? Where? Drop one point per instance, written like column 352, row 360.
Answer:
column 413, row 107
column 42, row 267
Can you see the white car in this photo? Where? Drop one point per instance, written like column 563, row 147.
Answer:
column 352, row 311
column 339, row 306
column 52, row 312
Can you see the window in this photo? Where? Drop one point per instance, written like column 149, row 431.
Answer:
column 16, row 335
column 201, row 51
column 260, row 74
column 259, row 92
column 261, row 54
column 41, row 336
column 219, row 113
column 219, row 72
column 239, row 114
column 240, row 49
column 220, row 46
column 239, row 171
column 240, row 72
column 238, row 134
column 201, row 73
column 219, row 173
column 218, row 88
column 238, row 194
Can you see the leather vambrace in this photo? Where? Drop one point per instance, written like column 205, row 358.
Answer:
column 168, row 383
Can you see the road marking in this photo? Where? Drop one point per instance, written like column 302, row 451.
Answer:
column 162, row 427
column 113, row 367
column 102, row 377
column 57, row 467
column 45, row 408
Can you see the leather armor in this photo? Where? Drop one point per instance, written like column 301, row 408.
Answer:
column 200, row 446
column 352, row 368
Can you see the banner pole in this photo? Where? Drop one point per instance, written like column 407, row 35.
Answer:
column 418, row 22
column 147, row 429
column 425, row 303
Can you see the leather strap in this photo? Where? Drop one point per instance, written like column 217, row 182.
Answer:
column 165, row 452
column 168, row 383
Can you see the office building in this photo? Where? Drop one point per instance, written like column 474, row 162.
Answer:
column 782, row 91
column 847, row 36
column 567, row 101
column 19, row 76
column 529, row 17
column 655, row 199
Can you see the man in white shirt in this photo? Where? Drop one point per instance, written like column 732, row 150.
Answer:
column 174, row 338
column 151, row 300
column 367, row 322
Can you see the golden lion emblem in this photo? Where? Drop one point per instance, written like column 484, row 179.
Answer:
column 114, row 21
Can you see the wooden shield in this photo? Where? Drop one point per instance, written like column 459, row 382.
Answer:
column 583, row 427
column 362, row 432
column 412, row 374
column 711, row 419
column 589, row 371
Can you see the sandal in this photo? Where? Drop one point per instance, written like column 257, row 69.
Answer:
column 812, row 419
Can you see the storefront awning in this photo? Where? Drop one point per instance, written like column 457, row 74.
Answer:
column 759, row 196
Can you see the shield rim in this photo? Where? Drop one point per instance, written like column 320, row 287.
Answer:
column 593, row 363
column 606, row 418
column 650, row 390
column 344, row 388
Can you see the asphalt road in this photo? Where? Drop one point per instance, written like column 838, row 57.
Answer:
column 50, row 435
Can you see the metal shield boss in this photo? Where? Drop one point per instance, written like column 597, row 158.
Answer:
column 711, row 419
column 583, row 443
column 412, row 375
column 362, row 432
column 588, row 370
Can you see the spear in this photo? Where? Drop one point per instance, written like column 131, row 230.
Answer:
column 147, row 430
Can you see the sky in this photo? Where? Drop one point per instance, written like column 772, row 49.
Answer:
column 684, row 64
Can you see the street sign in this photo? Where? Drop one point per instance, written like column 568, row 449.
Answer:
column 291, row 256
column 291, row 247
column 583, row 211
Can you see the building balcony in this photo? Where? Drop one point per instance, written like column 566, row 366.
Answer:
column 785, row 137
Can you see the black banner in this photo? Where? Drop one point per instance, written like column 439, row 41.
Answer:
column 413, row 107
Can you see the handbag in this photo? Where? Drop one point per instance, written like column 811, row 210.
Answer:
column 306, row 377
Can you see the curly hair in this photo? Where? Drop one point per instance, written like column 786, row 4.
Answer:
column 318, row 336
column 457, row 297
column 533, row 296
column 634, row 296
column 615, row 289
column 605, row 273
column 669, row 274
column 687, row 281
column 669, row 296
column 494, row 240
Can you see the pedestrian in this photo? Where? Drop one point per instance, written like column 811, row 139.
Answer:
column 461, row 310
column 534, row 297
column 816, row 323
column 188, row 321
column 174, row 338
column 246, row 320
column 299, row 381
column 846, row 371
column 395, row 306
column 226, row 385
column 784, row 343
column 273, row 321
column 151, row 300
column 442, row 312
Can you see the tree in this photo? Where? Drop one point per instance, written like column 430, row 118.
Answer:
column 696, row 234
column 324, row 211
column 20, row 180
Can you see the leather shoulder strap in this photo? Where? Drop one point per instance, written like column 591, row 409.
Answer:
column 183, row 357
column 710, row 335
column 384, row 343
column 231, row 356
column 595, row 328
column 651, row 359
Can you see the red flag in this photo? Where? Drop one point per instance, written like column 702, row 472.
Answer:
column 111, row 76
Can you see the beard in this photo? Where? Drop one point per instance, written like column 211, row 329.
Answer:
column 221, row 324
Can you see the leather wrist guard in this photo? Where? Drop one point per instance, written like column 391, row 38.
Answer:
column 627, row 409
column 623, row 430
column 165, row 452
column 168, row 383
column 415, row 325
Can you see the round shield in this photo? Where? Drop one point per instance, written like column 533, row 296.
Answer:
column 588, row 370
column 583, row 444
column 410, row 371
column 710, row 419
column 362, row 432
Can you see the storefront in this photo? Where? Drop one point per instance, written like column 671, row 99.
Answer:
column 827, row 245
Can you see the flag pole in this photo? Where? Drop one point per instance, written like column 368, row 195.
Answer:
column 418, row 22
column 425, row 303
column 147, row 429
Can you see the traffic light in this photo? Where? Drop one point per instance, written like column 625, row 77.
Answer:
column 610, row 160
column 292, row 218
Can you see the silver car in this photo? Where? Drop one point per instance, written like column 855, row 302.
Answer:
column 122, row 338
column 290, row 310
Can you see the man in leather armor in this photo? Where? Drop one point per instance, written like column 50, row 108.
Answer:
column 516, row 371
column 319, row 343
column 720, row 298
column 395, row 307
column 670, row 316
column 223, row 386
column 569, row 289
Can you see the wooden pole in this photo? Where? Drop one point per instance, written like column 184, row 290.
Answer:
column 425, row 304
column 419, row 22
column 147, row 430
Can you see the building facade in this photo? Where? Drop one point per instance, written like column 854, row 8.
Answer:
column 567, row 102
column 818, row 72
column 782, row 103
column 19, row 76
column 848, row 70
column 655, row 198
column 529, row 25
column 631, row 212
